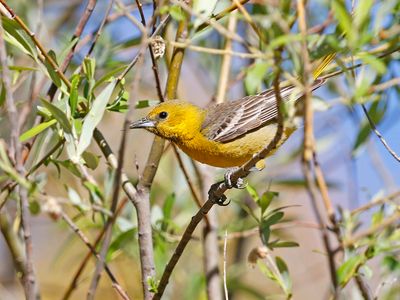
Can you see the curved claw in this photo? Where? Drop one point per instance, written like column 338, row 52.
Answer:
column 222, row 201
column 229, row 183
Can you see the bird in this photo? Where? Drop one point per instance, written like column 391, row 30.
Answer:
column 228, row 134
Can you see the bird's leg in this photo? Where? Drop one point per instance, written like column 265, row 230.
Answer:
column 239, row 183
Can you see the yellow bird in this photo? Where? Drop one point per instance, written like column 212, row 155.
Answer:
column 227, row 134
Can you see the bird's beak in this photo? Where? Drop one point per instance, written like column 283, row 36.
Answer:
column 142, row 123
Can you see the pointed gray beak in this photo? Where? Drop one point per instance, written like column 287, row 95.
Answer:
column 142, row 123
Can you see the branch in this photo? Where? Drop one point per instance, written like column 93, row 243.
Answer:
column 217, row 190
column 379, row 135
column 30, row 287
column 85, row 240
column 309, row 154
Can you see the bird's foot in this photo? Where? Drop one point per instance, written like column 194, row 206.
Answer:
column 230, row 182
column 220, row 200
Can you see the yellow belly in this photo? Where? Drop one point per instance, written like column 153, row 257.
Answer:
column 234, row 153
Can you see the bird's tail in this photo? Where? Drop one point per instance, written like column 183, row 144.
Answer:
column 323, row 65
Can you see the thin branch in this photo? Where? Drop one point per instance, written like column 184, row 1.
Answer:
column 393, row 219
column 30, row 286
column 74, row 283
column 100, row 29
column 86, row 241
column 14, row 245
column 379, row 135
column 375, row 202
column 110, row 221
column 222, row 14
column 309, row 155
column 225, row 255
column 226, row 62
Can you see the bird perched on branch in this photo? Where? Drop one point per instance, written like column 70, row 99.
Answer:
column 227, row 134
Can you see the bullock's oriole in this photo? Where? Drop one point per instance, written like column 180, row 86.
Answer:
column 226, row 134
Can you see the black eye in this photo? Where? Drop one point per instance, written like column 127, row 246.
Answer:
column 163, row 115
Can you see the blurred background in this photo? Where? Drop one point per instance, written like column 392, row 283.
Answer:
column 357, row 167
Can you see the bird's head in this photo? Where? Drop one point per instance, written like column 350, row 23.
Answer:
column 174, row 120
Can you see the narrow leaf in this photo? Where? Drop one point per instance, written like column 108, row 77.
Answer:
column 94, row 117
column 36, row 130
column 59, row 115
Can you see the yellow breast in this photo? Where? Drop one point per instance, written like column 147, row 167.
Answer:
column 234, row 153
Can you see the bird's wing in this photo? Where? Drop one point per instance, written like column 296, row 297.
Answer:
column 230, row 120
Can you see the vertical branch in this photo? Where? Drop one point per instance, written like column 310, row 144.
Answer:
column 226, row 61
column 77, row 34
column 14, row 245
column 30, row 287
column 211, row 253
column 309, row 144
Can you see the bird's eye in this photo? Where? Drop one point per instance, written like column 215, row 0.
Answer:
column 163, row 115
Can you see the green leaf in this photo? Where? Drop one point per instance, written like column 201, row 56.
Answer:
column 120, row 241
column 74, row 93
column 203, row 9
column 67, row 164
column 274, row 218
column 108, row 76
column 91, row 160
column 89, row 66
column 287, row 244
column 392, row 263
column 253, row 193
column 343, row 17
column 146, row 103
column 34, row 207
column 255, row 76
column 54, row 76
column 265, row 233
column 2, row 94
column 177, row 13
column 267, row 271
column 362, row 12
column 59, row 115
column 36, row 130
column 96, row 195
column 374, row 62
column 266, row 200
column 17, row 37
column 94, row 117
column 347, row 270
column 283, row 269
column 167, row 207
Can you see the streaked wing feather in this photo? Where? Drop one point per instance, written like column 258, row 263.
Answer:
column 230, row 120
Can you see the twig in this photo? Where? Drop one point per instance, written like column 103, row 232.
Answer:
column 222, row 14
column 43, row 52
column 100, row 29
column 30, row 287
column 211, row 250
column 226, row 62
column 372, row 230
column 110, row 220
column 309, row 155
column 363, row 287
column 85, row 260
column 379, row 135
column 14, row 245
column 214, row 51
column 376, row 202
column 86, row 241
column 225, row 246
